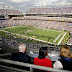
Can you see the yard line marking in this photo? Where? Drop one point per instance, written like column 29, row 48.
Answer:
column 57, row 38
column 61, row 38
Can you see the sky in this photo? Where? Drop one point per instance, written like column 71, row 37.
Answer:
column 24, row 5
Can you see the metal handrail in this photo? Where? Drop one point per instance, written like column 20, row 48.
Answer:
column 32, row 66
column 6, row 54
column 12, row 69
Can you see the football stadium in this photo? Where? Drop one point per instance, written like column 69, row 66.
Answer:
column 38, row 29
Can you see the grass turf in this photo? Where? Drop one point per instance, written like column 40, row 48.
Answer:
column 48, row 35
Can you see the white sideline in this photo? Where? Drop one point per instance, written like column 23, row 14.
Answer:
column 61, row 38
column 57, row 38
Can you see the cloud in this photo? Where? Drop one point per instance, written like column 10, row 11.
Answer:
column 44, row 2
column 1, row 7
column 2, row 3
column 22, row 6
column 11, row 7
column 64, row 1
column 49, row 2
column 20, row 1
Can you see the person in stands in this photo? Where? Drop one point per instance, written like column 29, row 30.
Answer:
column 21, row 55
column 65, row 61
column 42, row 60
column 71, row 56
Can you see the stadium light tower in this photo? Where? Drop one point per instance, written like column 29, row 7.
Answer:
column 5, row 7
column 8, row 7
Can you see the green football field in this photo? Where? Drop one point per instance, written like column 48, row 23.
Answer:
column 44, row 35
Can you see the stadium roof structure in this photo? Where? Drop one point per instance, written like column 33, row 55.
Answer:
column 59, row 10
column 10, row 12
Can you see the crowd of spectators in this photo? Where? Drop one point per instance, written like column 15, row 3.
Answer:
column 4, row 23
column 33, row 46
column 64, row 62
column 45, row 24
column 40, row 60
column 10, row 12
column 38, row 23
column 69, row 41
column 60, row 10
column 11, row 42
column 14, row 42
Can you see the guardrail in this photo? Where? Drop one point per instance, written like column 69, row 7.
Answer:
column 32, row 66
column 10, row 69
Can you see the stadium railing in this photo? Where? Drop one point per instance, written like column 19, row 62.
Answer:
column 31, row 66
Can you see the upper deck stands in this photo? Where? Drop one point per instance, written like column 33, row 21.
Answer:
column 60, row 10
column 10, row 12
